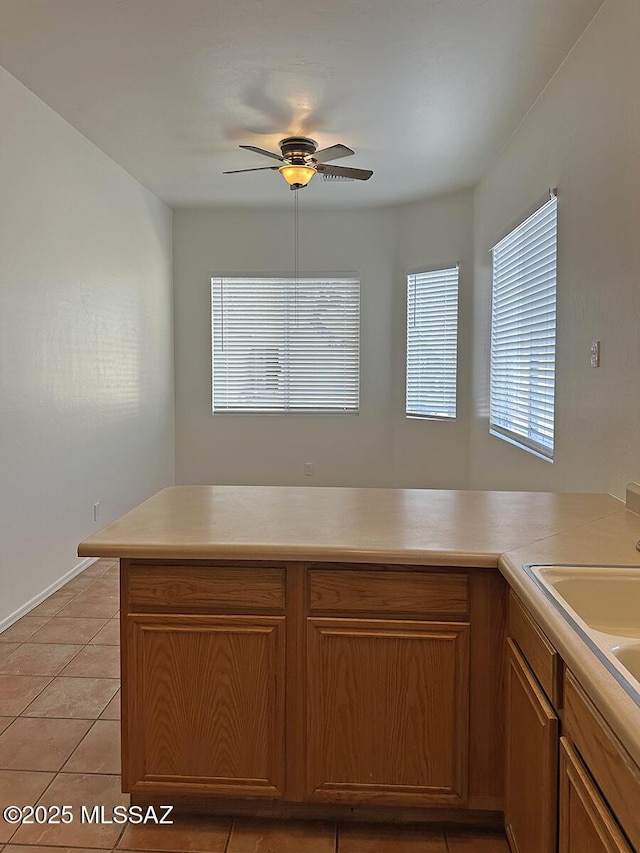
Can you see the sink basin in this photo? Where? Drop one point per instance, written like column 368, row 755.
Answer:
column 608, row 600
column 602, row 604
column 629, row 657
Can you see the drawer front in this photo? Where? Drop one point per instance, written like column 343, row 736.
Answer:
column 615, row 773
column 417, row 594
column 543, row 659
column 220, row 588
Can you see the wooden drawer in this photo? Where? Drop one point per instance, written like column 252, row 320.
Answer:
column 614, row 771
column 373, row 590
column 184, row 587
column 543, row 659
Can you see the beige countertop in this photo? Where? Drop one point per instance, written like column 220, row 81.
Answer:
column 406, row 526
column 411, row 526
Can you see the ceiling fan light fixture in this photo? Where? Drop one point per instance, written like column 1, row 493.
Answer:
column 297, row 174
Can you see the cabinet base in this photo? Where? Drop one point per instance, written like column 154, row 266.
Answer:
column 370, row 813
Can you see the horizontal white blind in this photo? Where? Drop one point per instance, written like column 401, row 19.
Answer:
column 281, row 345
column 523, row 333
column 432, row 343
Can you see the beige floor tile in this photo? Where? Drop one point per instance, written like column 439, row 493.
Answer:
column 40, row 744
column 38, row 659
column 7, row 649
column 52, row 605
column 19, row 789
column 17, row 691
column 95, row 662
column 476, row 841
column 77, row 790
column 99, row 752
column 80, row 582
column 112, row 711
column 107, row 585
column 23, row 629
column 82, row 698
column 109, row 635
column 97, row 569
column 5, row 722
column 374, row 838
column 262, row 836
column 86, row 604
column 189, row 834
column 61, row 629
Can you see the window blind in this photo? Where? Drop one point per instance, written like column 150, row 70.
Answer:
column 285, row 345
column 523, row 333
column 432, row 343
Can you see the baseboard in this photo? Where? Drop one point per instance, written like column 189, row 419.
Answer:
column 40, row 597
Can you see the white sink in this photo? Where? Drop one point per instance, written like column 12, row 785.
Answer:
column 602, row 603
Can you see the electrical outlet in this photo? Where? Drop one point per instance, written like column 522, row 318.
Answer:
column 595, row 354
column 96, row 511
column 308, row 469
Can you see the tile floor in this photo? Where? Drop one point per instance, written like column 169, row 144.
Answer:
column 60, row 745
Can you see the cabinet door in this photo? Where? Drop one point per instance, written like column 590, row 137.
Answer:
column 586, row 824
column 387, row 711
column 204, row 705
column 531, row 790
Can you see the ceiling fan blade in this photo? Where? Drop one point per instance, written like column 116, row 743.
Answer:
column 262, row 151
column 258, row 169
column 346, row 172
column 334, row 152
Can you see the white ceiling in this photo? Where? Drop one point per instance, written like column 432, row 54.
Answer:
column 425, row 91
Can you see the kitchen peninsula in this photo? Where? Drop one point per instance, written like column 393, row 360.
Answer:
column 290, row 650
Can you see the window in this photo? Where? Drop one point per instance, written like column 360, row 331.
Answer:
column 285, row 345
column 523, row 333
column 432, row 343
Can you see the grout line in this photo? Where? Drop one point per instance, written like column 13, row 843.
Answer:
column 44, row 687
column 446, row 840
column 229, row 834
column 76, row 748
column 119, row 838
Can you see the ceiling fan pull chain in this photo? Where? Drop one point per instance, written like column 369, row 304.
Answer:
column 296, row 261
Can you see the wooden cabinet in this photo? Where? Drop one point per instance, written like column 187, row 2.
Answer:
column 597, row 782
column 313, row 683
column 532, row 761
column 387, row 711
column 203, row 678
column 205, row 705
column 613, row 770
column 586, row 824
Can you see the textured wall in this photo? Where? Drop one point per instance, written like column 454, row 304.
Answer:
column 583, row 136
column 379, row 447
column 86, row 354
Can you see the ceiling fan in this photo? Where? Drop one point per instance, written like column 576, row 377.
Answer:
column 301, row 161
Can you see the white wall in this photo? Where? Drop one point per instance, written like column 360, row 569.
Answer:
column 433, row 454
column 86, row 361
column 377, row 447
column 583, row 136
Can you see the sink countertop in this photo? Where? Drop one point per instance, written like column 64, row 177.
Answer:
column 404, row 526
column 607, row 541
